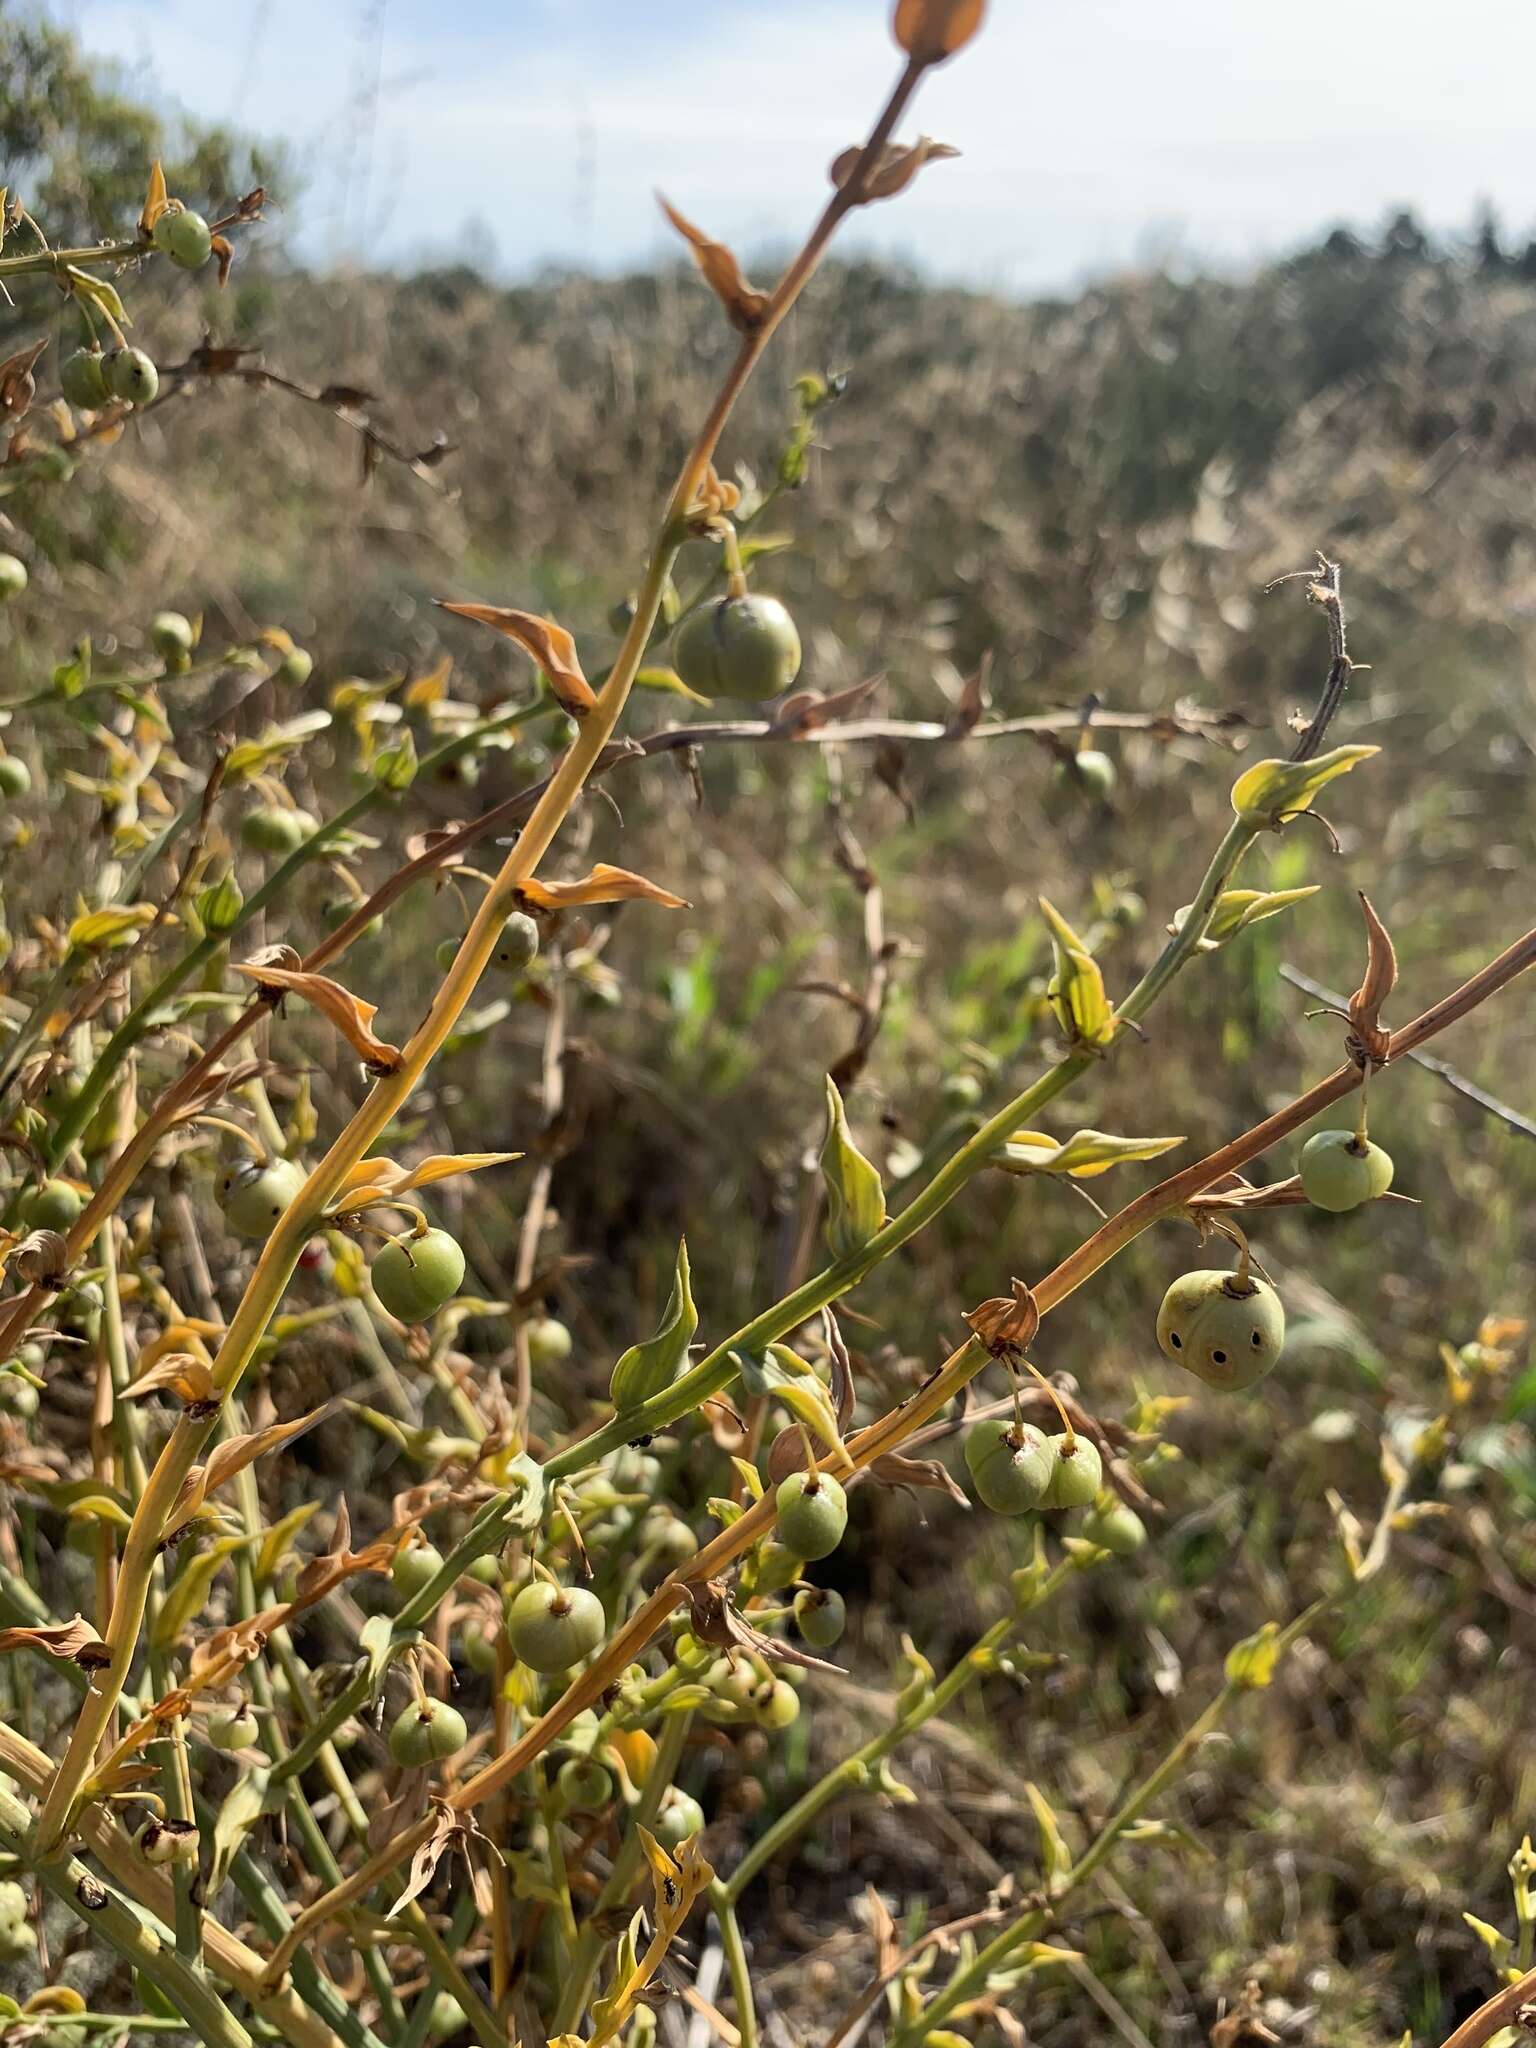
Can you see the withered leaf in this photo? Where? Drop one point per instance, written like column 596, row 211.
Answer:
column 605, row 884
column 154, row 200
column 71, row 1642
column 931, row 30
column 41, row 1258
column 351, row 1016
column 808, row 710
column 973, row 699
column 1008, row 1322
column 923, row 1473
column 228, row 1458
column 714, row 1620
column 744, row 304
column 899, row 164
column 178, row 1373
column 17, row 389
column 1379, row 980
column 224, row 255
column 550, row 646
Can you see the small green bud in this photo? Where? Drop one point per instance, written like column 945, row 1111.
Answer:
column 219, row 905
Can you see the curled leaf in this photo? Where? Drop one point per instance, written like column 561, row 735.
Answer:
column 1380, row 978
column 931, row 30
column 855, row 1197
column 899, row 164
column 744, row 304
column 373, row 1180
column 1007, row 1323
column 230, row 1457
column 605, row 884
column 1236, row 909
column 99, row 929
column 72, row 1641
column 646, row 1369
column 351, row 1016
column 550, row 646
column 178, row 1373
column 154, row 200
column 1083, row 1155
column 1269, row 792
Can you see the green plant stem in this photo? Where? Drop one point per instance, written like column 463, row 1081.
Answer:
column 94, row 257
column 115, row 1920
column 723, row 1906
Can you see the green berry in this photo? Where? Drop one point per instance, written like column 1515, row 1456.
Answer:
column 414, row 1569
column 1011, row 1467
column 335, row 911
column 13, row 1904
column 185, row 237
column 53, row 1206
column 254, row 1197
column 1092, row 772
column 233, row 1731
column 679, row 1818
column 551, row 1628
column 1230, row 1337
column 171, row 634
column 518, row 944
column 479, row 1647
column 1114, row 1527
column 584, row 1784
column 83, row 380
column 426, row 1732
column 820, row 1616
column 1338, row 1172
column 813, row 1513
column 738, row 647
column 549, row 1343
column 296, row 666
column 961, row 1091
column 13, row 577
column 414, row 1276
column 667, row 1537
column 777, row 1567
column 131, row 376
column 15, row 776
column 275, row 829
column 18, row 1397
column 1077, row 1472
column 775, row 1704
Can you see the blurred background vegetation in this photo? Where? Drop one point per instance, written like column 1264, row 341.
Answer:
column 1089, row 495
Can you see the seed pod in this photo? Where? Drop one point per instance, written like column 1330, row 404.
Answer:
column 584, row 1785
column 53, row 1206
column 1228, row 1336
column 1077, row 1472
column 1011, row 1466
column 414, row 1569
column 276, row 830
column 414, row 1276
column 813, row 1513
column 479, row 1647
column 131, row 376
column 553, row 1627
column 1091, row 772
column 517, row 945
column 679, row 1817
column 13, row 577
column 185, row 237
column 549, row 1342
column 426, row 1732
column 820, row 1616
column 296, row 666
column 1114, row 1527
column 15, row 776
column 254, row 1197
column 738, row 647
column 167, row 1841
column 83, row 380
column 170, row 634
column 775, row 1704
column 1339, row 1171
column 233, row 1731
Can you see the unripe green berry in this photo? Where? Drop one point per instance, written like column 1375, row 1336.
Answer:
column 414, row 1569
column 15, row 776
column 253, row 1197
column 777, row 1567
column 276, row 829
column 13, row 1903
column 667, row 1537
column 479, row 1648
column 1092, row 772
column 1010, row 1467
column 775, row 1704
column 426, row 1732
column 233, row 1731
column 1230, row 1337
column 13, row 577
column 820, row 1616
column 1077, row 1472
column 813, row 1513
column 517, row 944
column 83, row 379
column 738, row 647
column 335, row 911
column 185, row 237
column 1114, row 1527
column 447, row 952
column 414, row 1276
column 551, row 1628
column 131, row 376
column 18, row 1397
column 584, row 1784
column 296, row 666
column 53, row 1206
column 485, row 1571
column 1338, row 1172
column 961, row 1091
column 549, row 1342
column 680, row 1817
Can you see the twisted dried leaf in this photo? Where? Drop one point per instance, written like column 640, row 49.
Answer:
column 899, row 164
column 605, row 884
column 744, row 304
column 1008, row 1322
column 154, row 201
column 71, row 1642
column 1378, row 983
column 714, row 1620
column 178, row 1373
column 550, row 646
column 351, row 1016
column 230, row 1457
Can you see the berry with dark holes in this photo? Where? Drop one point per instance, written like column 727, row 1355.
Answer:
column 254, row 1197
column 1226, row 1335
column 131, row 376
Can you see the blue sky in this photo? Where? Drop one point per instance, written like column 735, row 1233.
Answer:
column 1096, row 133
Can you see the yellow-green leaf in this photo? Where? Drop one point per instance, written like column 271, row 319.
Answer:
column 1271, row 791
column 1236, row 909
column 252, row 756
column 1076, row 989
column 1055, row 1856
column 1251, row 1663
column 1083, row 1155
column 648, row 1368
column 855, row 1198
column 188, row 1592
column 99, row 929
column 669, row 681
